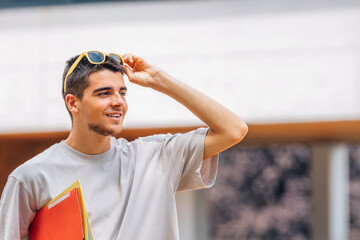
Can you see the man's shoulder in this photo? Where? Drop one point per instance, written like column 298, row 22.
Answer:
column 35, row 164
column 124, row 143
column 169, row 136
column 158, row 141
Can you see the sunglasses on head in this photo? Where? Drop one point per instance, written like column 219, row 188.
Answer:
column 94, row 57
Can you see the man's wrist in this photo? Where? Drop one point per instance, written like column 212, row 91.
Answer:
column 162, row 81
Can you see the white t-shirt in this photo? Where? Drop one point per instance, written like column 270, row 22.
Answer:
column 129, row 191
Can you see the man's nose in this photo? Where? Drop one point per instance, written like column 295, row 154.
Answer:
column 118, row 100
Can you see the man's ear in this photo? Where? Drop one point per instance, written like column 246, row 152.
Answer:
column 72, row 102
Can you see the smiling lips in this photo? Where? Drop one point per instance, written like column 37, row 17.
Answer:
column 114, row 115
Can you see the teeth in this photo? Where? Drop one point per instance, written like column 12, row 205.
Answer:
column 113, row 115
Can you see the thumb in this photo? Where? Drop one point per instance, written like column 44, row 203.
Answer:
column 129, row 72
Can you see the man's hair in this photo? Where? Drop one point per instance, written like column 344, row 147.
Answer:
column 78, row 80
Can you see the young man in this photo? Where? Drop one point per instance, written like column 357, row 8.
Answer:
column 129, row 187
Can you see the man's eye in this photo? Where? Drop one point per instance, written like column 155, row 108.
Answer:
column 104, row 93
column 123, row 93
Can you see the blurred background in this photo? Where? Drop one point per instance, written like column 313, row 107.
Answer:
column 290, row 69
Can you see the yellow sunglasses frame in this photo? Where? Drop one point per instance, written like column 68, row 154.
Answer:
column 73, row 66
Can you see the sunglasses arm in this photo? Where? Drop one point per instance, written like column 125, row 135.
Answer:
column 72, row 69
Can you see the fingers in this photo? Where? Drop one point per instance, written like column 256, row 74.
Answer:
column 128, row 58
column 129, row 72
column 135, row 62
column 131, row 59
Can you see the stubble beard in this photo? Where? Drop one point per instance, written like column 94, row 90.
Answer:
column 97, row 128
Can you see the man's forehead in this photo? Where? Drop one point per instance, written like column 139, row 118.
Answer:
column 106, row 78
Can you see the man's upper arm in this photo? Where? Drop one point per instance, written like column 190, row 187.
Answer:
column 195, row 173
column 216, row 143
column 17, row 210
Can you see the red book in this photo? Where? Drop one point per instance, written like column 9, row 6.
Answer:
column 60, row 219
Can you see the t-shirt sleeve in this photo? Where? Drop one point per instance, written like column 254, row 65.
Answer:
column 16, row 211
column 184, row 156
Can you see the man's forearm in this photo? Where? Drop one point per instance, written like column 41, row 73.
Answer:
column 221, row 121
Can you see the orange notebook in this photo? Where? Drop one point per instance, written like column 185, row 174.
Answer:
column 64, row 217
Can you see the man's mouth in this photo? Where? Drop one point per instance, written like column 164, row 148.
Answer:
column 113, row 115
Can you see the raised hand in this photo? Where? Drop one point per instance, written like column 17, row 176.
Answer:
column 140, row 72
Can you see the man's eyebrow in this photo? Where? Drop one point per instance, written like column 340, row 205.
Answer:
column 108, row 88
column 102, row 89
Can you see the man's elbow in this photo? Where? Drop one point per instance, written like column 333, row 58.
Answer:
column 239, row 132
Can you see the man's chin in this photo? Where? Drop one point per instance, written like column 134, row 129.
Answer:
column 116, row 133
column 101, row 130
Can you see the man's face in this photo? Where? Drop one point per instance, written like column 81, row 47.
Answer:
column 103, row 106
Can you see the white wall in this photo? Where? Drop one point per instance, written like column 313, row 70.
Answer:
column 269, row 61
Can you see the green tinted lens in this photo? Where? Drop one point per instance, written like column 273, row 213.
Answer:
column 116, row 58
column 95, row 57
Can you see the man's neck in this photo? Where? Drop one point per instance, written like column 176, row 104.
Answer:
column 88, row 142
